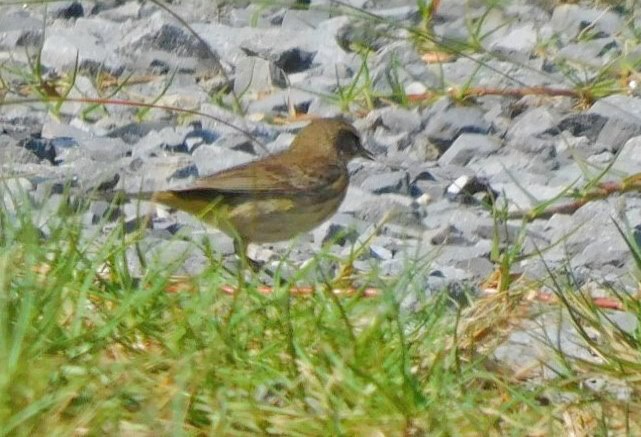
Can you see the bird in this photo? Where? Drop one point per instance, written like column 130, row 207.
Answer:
column 279, row 196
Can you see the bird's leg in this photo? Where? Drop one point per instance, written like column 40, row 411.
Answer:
column 240, row 247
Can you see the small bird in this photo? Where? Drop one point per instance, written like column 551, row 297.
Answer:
column 279, row 196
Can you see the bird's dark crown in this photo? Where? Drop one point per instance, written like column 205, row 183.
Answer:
column 331, row 138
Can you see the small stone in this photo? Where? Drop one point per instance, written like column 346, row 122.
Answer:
column 622, row 114
column 254, row 75
column 466, row 186
column 449, row 235
column 570, row 20
column 100, row 209
column 415, row 89
column 42, row 148
column 393, row 182
column 210, row 159
column 583, row 124
column 446, row 121
column 160, row 33
column 400, row 120
column 380, row 252
column 467, row 147
column 302, row 20
column 341, row 229
column 614, row 387
column 72, row 10
column 535, row 122
column 518, row 42
column 11, row 153
column 64, row 49
column 594, row 53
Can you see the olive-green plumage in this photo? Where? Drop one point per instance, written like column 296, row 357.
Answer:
column 280, row 196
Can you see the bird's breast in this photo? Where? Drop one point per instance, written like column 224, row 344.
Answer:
column 281, row 217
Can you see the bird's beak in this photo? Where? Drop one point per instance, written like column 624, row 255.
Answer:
column 366, row 154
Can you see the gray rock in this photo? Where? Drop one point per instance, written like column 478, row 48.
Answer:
column 124, row 12
column 101, row 210
column 104, row 149
column 15, row 194
column 210, row 159
column 471, row 190
column 42, row 148
column 281, row 143
column 468, row 147
column 392, row 182
column 449, row 234
column 616, row 388
column 608, row 249
column 403, row 228
column 199, row 137
column 629, row 158
column 448, row 279
column 257, row 75
column 189, row 172
column 219, row 242
column 11, row 153
column 68, row 11
column 593, row 219
column 455, row 254
column 518, row 42
column 398, row 120
column 395, row 208
column 380, row 252
column 152, row 173
column 623, row 114
column 341, row 229
column 596, row 53
column 583, row 124
column 178, row 255
column 301, row 20
column 238, row 143
column 384, row 143
column 62, row 47
column 262, row 16
column 131, row 133
column 536, row 122
column 169, row 140
column 453, row 9
column 533, row 351
column 397, row 65
column 601, row 158
column 446, row 122
column 569, row 20
column 288, row 50
column 477, row 267
column 163, row 33
column 353, row 35
column 18, row 28
column 452, row 30
column 17, row 187
column 355, row 198
column 164, row 227
column 278, row 102
column 71, row 143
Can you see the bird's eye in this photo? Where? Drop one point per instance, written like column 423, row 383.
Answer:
column 348, row 143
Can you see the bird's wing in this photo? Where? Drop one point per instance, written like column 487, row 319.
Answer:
column 270, row 176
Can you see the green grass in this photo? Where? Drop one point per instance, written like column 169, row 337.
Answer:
column 86, row 347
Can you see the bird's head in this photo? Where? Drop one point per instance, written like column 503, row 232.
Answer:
column 332, row 138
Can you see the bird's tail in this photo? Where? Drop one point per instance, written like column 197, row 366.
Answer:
column 121, row 195
column 171, row 199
